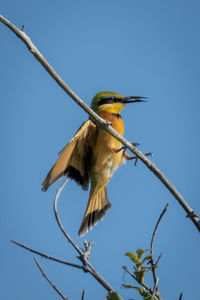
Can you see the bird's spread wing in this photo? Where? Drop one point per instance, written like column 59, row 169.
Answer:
column 75, row 159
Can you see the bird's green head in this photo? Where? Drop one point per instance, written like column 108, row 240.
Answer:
column 112, row 102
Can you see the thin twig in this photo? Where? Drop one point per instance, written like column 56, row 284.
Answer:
column 48, row 256
column 156, row 227
column 83, row 294
column 83, row 255
column 133, row 276
column 58, row 220
column 51, row 283
column 180, row 297
column 152, row 243
column 155, row 290
column 102, row 123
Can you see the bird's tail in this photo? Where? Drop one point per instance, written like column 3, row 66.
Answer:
column 97, row 206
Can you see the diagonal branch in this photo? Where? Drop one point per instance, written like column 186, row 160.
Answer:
column 102, row 123
column 48, row 256
column 83, row 254
column 134, row 277
column 50, row 282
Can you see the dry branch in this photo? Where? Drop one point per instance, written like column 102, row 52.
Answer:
column 47, row 256
column 50, row 282
column 102, row 123
column 151, row 246
column 83, row 254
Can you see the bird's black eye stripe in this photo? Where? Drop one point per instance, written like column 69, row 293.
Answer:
column 107, row 100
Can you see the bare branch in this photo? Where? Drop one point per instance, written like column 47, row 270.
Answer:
column 102, row 123
column 83, row 294
column 156, row 227
column 155, row 290
column 58, row 220
column 51, row 283
column 87, row 249
column 48, row 256
column 181, row 295
column 134, row 277
column 151, row 247
column 83, row 254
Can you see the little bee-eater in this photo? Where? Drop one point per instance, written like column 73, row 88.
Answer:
column 93, row 155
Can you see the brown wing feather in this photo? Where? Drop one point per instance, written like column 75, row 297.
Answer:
column 75, row 159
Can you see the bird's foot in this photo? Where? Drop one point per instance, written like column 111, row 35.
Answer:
column 124, row 147
column 128, row 157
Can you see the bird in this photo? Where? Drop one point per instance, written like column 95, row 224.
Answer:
column 93, row 155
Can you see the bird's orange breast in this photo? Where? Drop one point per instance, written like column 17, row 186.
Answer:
column 106, row 159
column 117, row 122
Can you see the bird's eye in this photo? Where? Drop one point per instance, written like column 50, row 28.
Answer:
column 106, row 100
column 109, row 99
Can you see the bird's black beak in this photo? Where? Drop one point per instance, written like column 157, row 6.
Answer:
column 131, row 99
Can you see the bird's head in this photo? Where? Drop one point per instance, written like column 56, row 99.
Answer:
column 112, row 102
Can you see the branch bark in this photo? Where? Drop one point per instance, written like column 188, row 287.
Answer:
column 83, row 255
column 102, row 123
column 48, row 256
column 151, row 246
column 50, row 282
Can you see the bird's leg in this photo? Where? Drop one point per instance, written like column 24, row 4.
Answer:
column 128, row 157
column 124, row 148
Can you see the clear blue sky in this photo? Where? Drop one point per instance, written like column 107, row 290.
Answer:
column 147, row 48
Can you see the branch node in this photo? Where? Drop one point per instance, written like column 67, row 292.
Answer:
column 191, row 215
column 87, row 249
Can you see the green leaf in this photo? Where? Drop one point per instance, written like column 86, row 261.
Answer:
column 148, row 257
column 147, row 296
column 133, row 257
column 130, row 286
column 113, row 296
column 140, row 252
column 140, row 275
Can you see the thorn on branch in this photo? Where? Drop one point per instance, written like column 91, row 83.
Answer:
column 22, row 29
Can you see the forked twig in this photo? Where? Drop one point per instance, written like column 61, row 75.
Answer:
column 134, row 277
column 151, row 247
column 156, row 227
column 83, row 254
column 102, row 123
column 50, row 282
